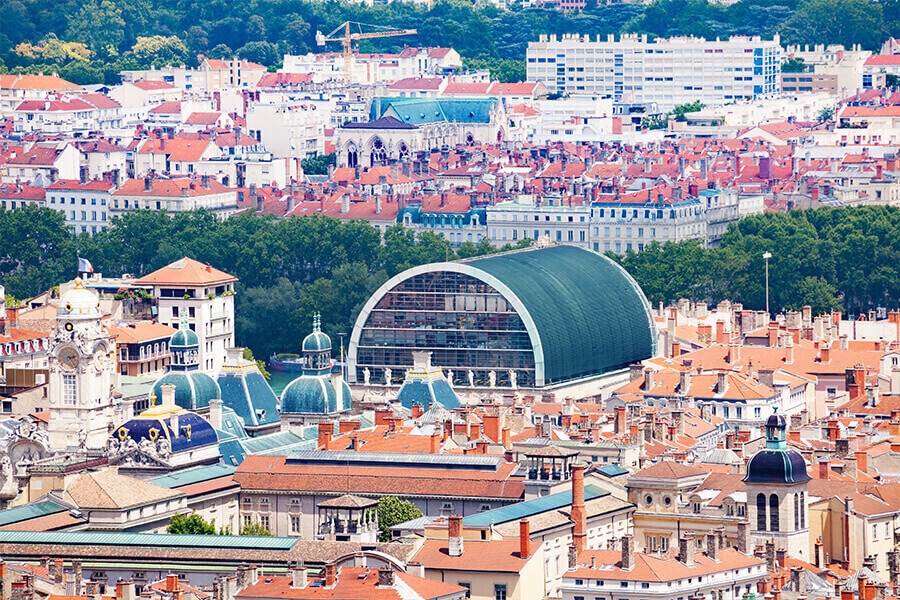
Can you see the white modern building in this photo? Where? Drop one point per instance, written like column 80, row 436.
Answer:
column 670, row 72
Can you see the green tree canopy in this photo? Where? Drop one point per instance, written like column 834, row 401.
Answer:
column 190, row 524
column 392, row 511
column 255, row 529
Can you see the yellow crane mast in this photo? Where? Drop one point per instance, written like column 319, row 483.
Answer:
column 347, row 38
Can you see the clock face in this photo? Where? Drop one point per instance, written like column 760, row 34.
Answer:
column 68, row 357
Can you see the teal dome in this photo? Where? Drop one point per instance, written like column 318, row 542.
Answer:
column 316, row 342
column 313, row 394
column 184, row 338
column 193, row 389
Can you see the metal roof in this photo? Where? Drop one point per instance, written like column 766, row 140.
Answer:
column 612, row 470
column 591, row 316
column 29, row 511
column 165, row 540
column 437, row 461
column 522, row 510
column 189, row 476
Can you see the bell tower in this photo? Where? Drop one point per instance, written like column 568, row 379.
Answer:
column 777, row 487
column 82, row 374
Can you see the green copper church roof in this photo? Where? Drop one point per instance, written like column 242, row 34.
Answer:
column 416, row 111
column 193, row 389
column 590, row 315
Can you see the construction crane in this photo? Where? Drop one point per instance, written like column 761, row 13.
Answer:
column 348, row 37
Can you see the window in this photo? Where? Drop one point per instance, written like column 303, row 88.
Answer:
column 645, row 586
column 468, row 587
column 248, row 520
column 447, row 506
column 500, row 592
column 70, row 394
column 485, row 507
column 773, row 516
column 761, row 512
column 295, row 523
column 264, row 521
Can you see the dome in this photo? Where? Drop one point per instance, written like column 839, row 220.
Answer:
column 316, row 342
column 193, row 389
column 193, row 431
column 776, row 466
column 777, row 463
column 184, row 338
column 314, row 395
column 79, row 303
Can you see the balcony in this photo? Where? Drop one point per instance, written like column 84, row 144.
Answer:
column 147, row 356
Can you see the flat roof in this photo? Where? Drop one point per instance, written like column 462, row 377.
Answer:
column 522, row 510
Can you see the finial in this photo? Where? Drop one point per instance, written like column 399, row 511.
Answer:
column 79, row 283
column 152, row 397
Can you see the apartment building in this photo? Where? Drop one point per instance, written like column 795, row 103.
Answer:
column 204, row 297
column 669, row 71
column 640, row 218
column 85, row 204
column 533, row 218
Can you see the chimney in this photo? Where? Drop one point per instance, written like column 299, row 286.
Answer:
column 627, row 552
column 824, row 469
column 492, row 427
column 215, row 413
column 620, row 419
column 168, row 395
column 326, row 430
column 385, row 577
column 298, row 576
column 578, row 514
column 524, row 539
column 455, row 536
column 59, row 572
column 148, row 184
column 722, row 383
column 819, row 555
column 435, row 447
column 825, row 353
column 862, row 463
column 573, row 557
column 720, row 332
column 648, row 379
column 77, row 575
column 345, row 204
column 686, row 549
column 505, row 439
column 416, row 569
column 678, row 421
column 125, row 590
column 712, row 546
column 743, row 537
column 330, row 574
column 5, row 581
column 771, row 563
column 842, row 447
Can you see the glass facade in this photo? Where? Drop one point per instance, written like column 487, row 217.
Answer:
column 465, row 323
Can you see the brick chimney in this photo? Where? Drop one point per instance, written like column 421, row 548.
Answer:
column 455, row 536
column 620, row 426
column 712, row 546
column 720, row 332
column 435, row 447
column 743, row 537
column 524, row 538
column 504, row 435
column 862, row 461
column 686, row 549
column 385, row 577
column 331, row 574
column 824, row 469
column 578, row 514
column 326, row 430
column 627, row 552
column 492, row 427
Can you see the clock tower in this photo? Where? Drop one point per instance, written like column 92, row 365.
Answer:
column 82, row 374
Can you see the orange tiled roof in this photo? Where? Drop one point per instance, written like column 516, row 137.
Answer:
column 186, row 271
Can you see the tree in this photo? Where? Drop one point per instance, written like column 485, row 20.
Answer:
column 891, row 80
column 826, row 114
column 318, row 165
column 159, row 49
column 98, row 25
column 255, row 529
column 681, row 111
column 793, row 65
column 190, row 524
column 295, row 35
column 260, row 364
column 220, row 51
column 263, row 53
column 392, row 511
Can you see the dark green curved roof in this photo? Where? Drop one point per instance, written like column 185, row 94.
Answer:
column 193, row 389
column 316, row 342
column 590, row 315
column 184, row 338
column 313, row 394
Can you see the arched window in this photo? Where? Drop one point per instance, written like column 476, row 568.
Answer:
column 802, row 510
column 773, row 513
column 761, row 512
column 797, row 524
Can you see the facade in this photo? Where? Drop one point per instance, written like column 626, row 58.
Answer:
column 515, row 220
column 85, row 204
column 668, row 72
column 283, row 494
column 187, row 288
column 142, row 348
column 174, row 195
column 497, row 322
column 640, row 220
column 724, row 573
column 82, row 373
